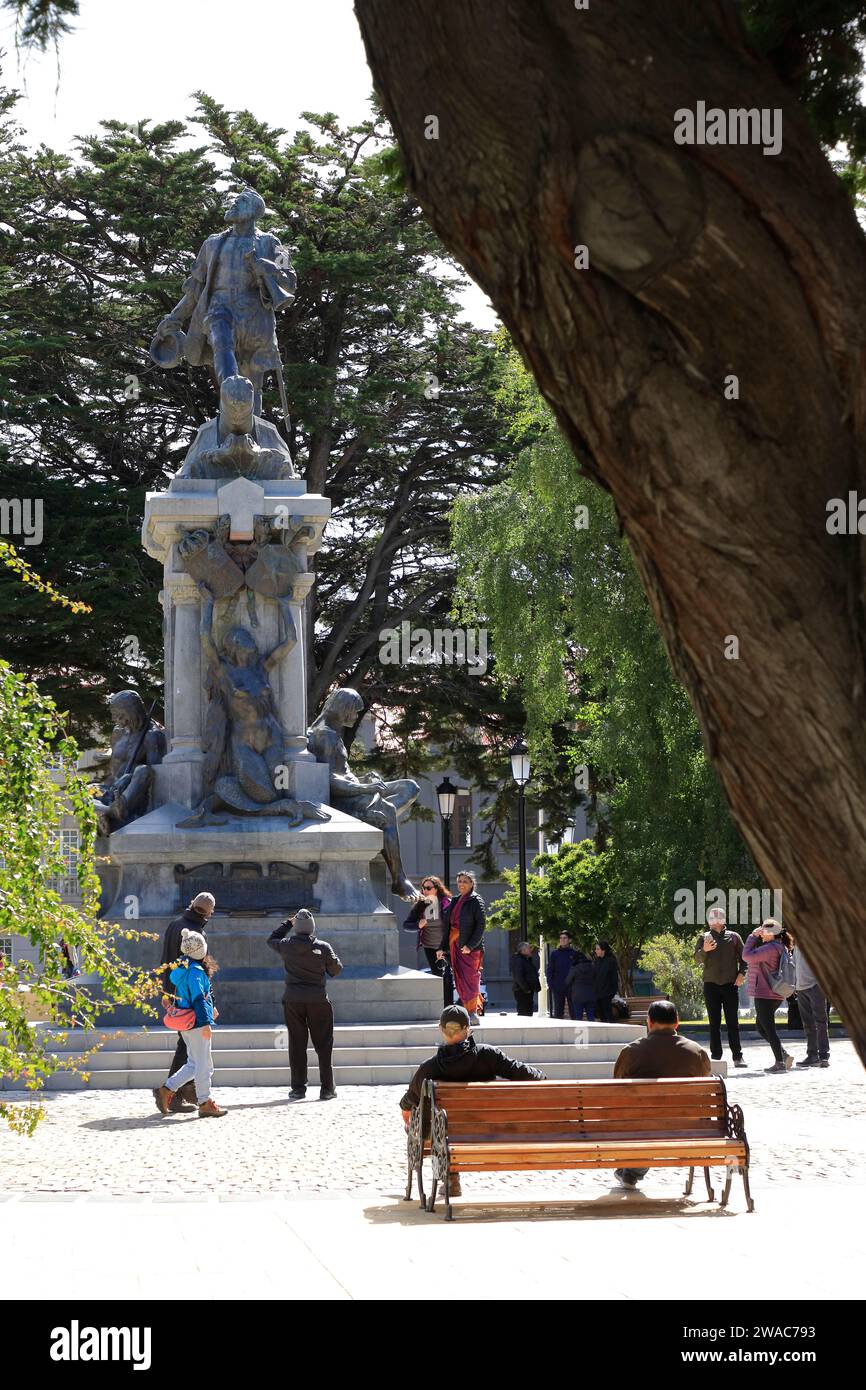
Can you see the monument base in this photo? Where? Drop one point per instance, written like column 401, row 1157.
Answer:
column 248, row 987
column 259, row 870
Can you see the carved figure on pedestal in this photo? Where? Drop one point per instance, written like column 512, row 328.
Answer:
column 240, row 277
column 238, row 443
column 268, row 565
column 369, row 799
column 244, row 742
column 137, row 745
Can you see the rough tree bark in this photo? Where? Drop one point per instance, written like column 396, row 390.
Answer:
column 555, row 129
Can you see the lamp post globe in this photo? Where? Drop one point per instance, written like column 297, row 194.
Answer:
column 446, row 794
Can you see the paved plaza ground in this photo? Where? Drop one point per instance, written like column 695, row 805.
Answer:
column 313, row 1191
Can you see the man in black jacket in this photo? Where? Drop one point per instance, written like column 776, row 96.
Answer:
column 196, row 918
column 459, row 1058
column 306, row 1007
column 526, row 981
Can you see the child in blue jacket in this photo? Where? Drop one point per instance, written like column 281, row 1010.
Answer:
column 192, row 986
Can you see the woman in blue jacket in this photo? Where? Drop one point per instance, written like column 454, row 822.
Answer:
column 192, row 985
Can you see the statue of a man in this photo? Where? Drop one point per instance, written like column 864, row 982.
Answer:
column 239, row 279
column 136, row 747
column 369, row 799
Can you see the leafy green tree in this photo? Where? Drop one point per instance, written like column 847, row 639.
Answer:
column 544, row 564
column 32, row 803
column 670, row 961
column 592, row 893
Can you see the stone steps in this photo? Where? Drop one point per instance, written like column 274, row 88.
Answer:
column 364, row 1055
column 280, row 1077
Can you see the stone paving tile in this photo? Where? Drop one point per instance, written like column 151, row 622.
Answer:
column 805, row 1127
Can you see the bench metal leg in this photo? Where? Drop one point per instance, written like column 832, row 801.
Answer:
column 407, row 1195
column 690, row 1183
column 750, row 1206
column 711, row 1196
column 727, row 1189
column 431, row 1200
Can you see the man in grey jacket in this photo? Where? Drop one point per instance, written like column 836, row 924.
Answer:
column 813, row 1012
column 720, row 952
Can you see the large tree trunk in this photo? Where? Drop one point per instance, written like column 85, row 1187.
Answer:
column 555, row 129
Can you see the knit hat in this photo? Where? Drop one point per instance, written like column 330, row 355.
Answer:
column 193, row 944
column 304, row 923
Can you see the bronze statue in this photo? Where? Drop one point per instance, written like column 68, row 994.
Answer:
column 239, row 279
column 137, row 745
column 369, row 799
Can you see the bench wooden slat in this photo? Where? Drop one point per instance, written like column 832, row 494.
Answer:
column 654, row 1144
column 577, row 1126
column 621, row 1158
column 657, row 1083
column 669, row 1109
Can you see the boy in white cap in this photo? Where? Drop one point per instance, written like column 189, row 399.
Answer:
column 306, row 1007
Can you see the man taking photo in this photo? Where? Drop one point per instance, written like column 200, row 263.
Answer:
column 720, row 953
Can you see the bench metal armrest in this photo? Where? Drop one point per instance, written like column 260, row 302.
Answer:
column 438, row 1134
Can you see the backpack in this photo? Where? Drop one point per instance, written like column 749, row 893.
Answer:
column 783, row 980
column 619, row 1008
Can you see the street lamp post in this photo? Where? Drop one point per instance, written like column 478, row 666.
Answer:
column 447, row 796
column 520, row 771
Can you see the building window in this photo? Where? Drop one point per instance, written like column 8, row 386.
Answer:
column 512, row 829
column 6, row 949
column 461, row 821
column 66, row 883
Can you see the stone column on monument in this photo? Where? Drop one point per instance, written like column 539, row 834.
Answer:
column 185, row 727
column 291, row 680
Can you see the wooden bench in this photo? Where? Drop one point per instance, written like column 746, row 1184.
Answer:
column 638, row 1006
column 499, row 1126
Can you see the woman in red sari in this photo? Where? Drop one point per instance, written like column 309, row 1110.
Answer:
column 465, row 921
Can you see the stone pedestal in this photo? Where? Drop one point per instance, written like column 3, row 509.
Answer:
column 168, row 516
column 259, row 868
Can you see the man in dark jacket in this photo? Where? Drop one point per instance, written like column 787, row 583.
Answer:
column 459, row 1058
column 559, row 964
column 662, row 1053
column 580, row 983
column 720, row 953
column 196, row 918
column 306, row 1007
column 525, row 979
column 605, row 980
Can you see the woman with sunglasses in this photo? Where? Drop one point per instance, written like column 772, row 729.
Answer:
column 428, row 915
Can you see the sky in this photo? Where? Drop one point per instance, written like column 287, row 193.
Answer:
column 129, row 60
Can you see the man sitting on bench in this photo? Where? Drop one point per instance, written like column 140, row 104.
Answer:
column 662, row 1053
column 459, row 1058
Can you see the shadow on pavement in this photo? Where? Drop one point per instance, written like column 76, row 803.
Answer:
column 611, row 1205
column 143, row 1121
